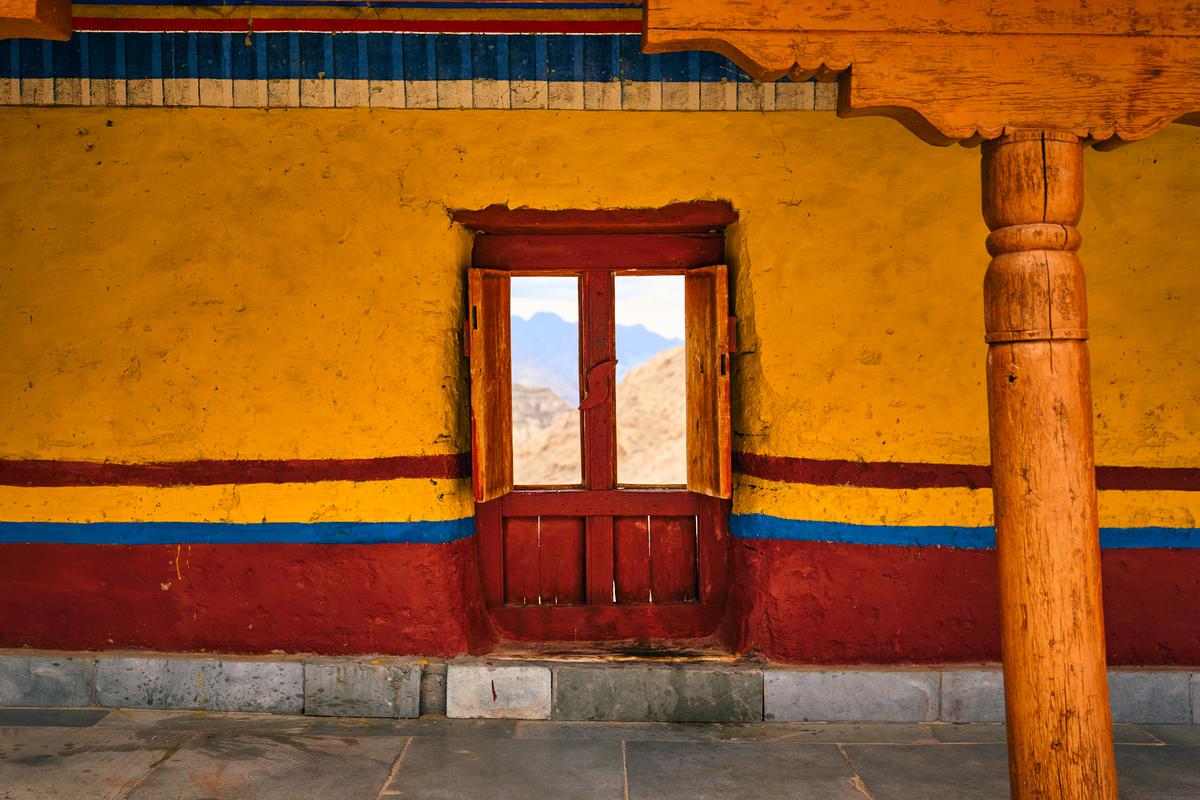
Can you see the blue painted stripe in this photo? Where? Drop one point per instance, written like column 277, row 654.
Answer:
column 764, row 526
column 416, row 57
column 438, row 532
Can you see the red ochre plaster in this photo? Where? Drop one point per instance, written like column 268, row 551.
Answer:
column 245, row 598
column 799, row 602
column 822, row 603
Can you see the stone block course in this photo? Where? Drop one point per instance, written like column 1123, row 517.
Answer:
column 46, row 681
column 202, row 684
column 851, row 696
column 348, row 688
column 658, row 694
column 433, row 689
column 1161, row 696
column 975, row 695
column 507, row 692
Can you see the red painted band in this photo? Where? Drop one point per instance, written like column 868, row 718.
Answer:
column 879, row 474
column 267, row 25
column 49, row 473
column 910, row 475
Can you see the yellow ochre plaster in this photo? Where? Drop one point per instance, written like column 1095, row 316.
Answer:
column 199, row 283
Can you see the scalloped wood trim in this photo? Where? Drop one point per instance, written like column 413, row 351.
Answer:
column 35, row 19
column 1107, row 78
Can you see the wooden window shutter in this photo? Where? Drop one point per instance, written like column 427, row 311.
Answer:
column 706, row 301
column 489, row 338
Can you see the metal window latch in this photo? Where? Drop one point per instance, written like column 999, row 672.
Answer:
column 596, row 391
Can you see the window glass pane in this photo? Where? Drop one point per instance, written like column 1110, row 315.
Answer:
column 545, row 373
column 651, row 390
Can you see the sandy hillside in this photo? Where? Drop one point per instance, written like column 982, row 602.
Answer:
column 650, row 429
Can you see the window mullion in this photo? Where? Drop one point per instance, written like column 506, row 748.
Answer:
column 598, row 345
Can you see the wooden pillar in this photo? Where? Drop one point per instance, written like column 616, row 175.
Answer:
column 1044, row 485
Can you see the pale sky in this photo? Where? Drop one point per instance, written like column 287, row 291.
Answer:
column 655, row 301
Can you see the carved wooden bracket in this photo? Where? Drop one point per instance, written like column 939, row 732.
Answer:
column 1107, row 70
column 35, row 19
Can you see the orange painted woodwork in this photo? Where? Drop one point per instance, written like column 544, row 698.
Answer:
column 964, row 71
column 35, row 19
column 1043, row 471
column 706, row 342
column 491, row 383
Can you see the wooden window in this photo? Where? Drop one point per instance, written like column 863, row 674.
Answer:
column 592, row 558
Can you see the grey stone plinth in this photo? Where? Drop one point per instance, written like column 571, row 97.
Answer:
column 850, row 696
column 204, row 684
column 362, row 689
column 657, row 694
column 46, row 681
column 433, row 689
column 509, row 692
column 975, row 695
column 1161, row 696
column 1196, row 698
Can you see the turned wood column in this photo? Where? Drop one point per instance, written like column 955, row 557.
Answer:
column 1043, row 471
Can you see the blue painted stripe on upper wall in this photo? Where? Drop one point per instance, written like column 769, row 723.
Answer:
column 430, row 532
column 763, row 526
column 388, row 56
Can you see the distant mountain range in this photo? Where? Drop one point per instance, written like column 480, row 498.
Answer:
column 545, row 352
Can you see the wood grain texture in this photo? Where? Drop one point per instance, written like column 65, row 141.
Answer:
column 1112, row 71
column 1043, row 471
column 35, row 19
column 491, row 383
column 706, row 345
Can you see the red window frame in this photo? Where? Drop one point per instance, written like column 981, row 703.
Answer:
column 596, row 246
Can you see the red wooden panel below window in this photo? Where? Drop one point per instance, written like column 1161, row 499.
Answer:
column 632, row 559
column 673, row 559
column 560, row 560
column 521, row 561
column 586, row 623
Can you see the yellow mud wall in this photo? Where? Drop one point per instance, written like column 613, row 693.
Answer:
column 182, row 284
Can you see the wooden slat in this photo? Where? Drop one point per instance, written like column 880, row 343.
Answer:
column 618, row 502
column 632, row 559
column 597, row 623
column 521, row 561
column 712, row 561
column 560, row 560
column 706, row 303
column 586, row 252
column 673, row 559
column 491, row 383
column 598, row 561
column 489, row 537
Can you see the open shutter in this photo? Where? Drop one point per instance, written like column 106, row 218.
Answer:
column 706, row 301
column 490, row 346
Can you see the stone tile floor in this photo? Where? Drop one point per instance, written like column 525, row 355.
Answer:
column 66, row 754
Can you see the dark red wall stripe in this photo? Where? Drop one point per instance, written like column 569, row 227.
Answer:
column 815, row 472
column 909, row 475
column 214, row 472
